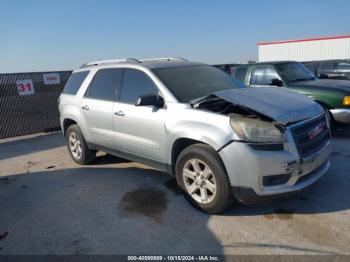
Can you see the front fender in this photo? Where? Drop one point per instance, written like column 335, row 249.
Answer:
column 212, row 129
column 332, row 99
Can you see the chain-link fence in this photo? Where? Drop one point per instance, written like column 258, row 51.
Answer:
column 28, row 102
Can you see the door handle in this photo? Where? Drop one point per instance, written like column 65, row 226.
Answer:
column 85, row 107
column 119, row 113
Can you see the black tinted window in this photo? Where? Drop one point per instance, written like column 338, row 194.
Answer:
column 74, row 82
column 136, row 84
column 262, row 75
column 240, row 74
column 105, row 84
column 191, row 82
column 327, row 66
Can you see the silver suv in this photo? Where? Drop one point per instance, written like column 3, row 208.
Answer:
column 222, row 141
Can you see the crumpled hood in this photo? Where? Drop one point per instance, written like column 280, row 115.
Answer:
column 281, row 105
column 343, row 85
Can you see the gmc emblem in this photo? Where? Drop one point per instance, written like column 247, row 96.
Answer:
column 316, row 130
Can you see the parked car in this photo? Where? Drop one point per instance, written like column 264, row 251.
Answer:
column 222, row 141
column 330, row 69
column 332, row 95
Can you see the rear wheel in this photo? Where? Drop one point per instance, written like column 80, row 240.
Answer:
column 77, row 146
column 202, row 176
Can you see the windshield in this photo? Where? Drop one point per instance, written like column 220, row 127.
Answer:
column 188, row 83
column 295, row 72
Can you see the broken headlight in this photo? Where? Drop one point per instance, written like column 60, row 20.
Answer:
column 256, row 130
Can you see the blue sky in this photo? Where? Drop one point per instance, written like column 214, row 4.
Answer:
column 62, row 34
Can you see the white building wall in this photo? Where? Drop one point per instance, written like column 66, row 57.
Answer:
column 305, row 50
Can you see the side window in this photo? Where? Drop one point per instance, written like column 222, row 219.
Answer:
column 262, row 75
column 105, row 84
column 240, row 74
column 326, row 66
column 74, row 82
column 136, row 84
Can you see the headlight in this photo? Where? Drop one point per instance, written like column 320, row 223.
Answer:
column 346, row 101
column 255, row 130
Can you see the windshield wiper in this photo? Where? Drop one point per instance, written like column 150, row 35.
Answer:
column 197, row 100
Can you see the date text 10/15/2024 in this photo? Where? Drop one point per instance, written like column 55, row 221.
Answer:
column 173, row 258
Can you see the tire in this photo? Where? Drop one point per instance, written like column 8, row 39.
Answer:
column 81, row 154
column 203, row 156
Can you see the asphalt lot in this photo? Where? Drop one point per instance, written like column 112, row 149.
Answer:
column 50, row 205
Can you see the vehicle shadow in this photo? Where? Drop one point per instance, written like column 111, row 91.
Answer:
column 25, row 145
column 96, row 210
column 106, row 159
column 342, row 132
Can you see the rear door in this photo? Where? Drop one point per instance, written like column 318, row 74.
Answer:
column 139, row 130
column 97, row 106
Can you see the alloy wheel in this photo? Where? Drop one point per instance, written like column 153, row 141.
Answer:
column 199, row 181
column 75, row 145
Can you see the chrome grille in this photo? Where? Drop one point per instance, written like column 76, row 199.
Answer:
column 306, row 140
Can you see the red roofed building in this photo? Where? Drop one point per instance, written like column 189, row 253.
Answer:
column 309, row 49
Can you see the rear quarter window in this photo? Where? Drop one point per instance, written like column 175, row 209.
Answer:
column 343, row 66
column 74, row 82
column 327, row 66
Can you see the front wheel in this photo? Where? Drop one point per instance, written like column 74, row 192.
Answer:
column 202, row 176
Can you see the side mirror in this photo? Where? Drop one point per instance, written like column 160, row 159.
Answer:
column 276, row 82
column 150, row 100
column 324, row 76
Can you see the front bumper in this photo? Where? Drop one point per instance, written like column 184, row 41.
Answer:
column 247, row 195
column 247, row 167
column 341, row 115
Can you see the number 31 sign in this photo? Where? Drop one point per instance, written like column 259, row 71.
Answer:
column 25, row 87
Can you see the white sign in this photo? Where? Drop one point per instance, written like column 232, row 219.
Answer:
column 25, row 87
column 51, row 78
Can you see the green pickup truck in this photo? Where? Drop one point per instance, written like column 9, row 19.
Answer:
column 333, row 95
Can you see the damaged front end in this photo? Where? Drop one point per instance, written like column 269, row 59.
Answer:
column 273, row 104
column 249, row 125
column 281, row 142
column 260, row 115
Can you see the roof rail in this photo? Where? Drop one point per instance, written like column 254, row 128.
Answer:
column 101, row 62
column 132, row 60
column 165, row 59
